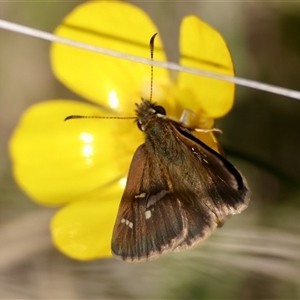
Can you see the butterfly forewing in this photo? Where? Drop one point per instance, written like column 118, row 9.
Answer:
column 150, row 219
column 219, row 190
column 224, row 184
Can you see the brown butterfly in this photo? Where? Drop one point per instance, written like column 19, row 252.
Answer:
column 178, row 190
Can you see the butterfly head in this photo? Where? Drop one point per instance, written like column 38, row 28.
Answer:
column 147, row 112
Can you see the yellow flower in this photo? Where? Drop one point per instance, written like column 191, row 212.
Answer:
column 82, row 164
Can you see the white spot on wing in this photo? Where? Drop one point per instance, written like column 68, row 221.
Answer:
column 147, row 214
column 128, row 223
column 141, row 195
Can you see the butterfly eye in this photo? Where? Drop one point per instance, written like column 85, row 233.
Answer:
column 159, row 110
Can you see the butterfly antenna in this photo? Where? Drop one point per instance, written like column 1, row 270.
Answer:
column 151, row 54
column 96, row 117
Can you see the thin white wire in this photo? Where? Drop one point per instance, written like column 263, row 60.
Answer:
column 167, row 65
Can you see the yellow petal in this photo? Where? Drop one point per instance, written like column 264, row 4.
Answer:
column 113, row 82
column 204, row 48
column 83, row 228
column 55, row 161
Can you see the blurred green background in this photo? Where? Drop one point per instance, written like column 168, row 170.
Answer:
column 256, row 255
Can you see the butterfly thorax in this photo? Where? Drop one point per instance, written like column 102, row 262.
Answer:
column 159, row 132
